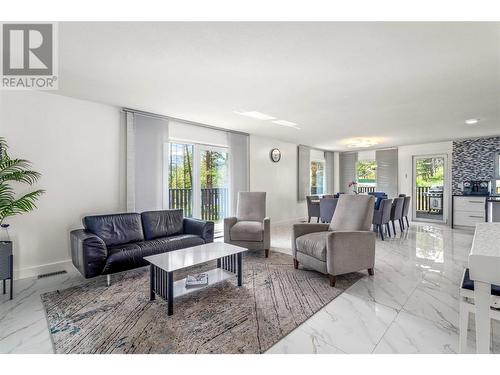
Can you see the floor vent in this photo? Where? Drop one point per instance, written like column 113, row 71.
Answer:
column 52, row 274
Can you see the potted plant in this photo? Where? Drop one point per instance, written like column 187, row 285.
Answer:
column 13, row 172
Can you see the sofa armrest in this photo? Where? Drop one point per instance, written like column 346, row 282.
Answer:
column 228, row 224
column 301, row 229
column 350, row 251
column 267, row 233
column 88, row 252
column 202, row 228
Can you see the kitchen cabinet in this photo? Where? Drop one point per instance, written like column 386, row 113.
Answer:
column 468, row 211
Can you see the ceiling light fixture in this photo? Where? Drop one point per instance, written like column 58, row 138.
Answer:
column 360, row 142
column 286, row 123
column 472, row 121
column 256, row 115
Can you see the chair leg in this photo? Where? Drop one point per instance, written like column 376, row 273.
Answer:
column 370, row 271
column 401, row 226
column 295, row 264
column 463, row 326
column 407, row 222
column 309, row 219
column 11, row 287
column 333, row 279
column 266, row 251
column 317, row 220
column 388, row 227
column 381, row 232
column 394, row 228
column 4, row 291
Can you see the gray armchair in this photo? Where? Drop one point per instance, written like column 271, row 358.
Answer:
column 250, row 228
column 345, row 245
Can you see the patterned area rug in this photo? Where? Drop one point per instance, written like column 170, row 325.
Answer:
column 274, row 299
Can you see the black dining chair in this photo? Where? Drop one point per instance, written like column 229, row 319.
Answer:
column 312, row 207
column 397, row 213
column 382, row 217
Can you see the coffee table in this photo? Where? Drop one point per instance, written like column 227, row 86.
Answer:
column 162, row 267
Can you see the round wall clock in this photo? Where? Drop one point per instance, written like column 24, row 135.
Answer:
column 275, row 155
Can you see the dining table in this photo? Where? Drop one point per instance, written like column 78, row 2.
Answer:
column 484, row 269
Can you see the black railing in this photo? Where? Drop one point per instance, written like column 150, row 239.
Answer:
column 366, row 189
column 214, row 202
column 423, row 201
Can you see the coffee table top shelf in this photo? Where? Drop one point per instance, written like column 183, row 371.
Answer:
column 179, row 259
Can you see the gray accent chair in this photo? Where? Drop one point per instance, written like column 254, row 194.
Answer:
column 382, row 217
column 250, row 228
column 397, row 213
column 345, row 245
column 312, row 207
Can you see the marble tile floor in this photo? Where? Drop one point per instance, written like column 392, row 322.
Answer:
column 410, row 305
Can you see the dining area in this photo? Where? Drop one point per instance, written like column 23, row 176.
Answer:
column 389, row 215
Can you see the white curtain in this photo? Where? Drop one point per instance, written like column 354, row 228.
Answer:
column 347, row 173
column 239, row 166
column 387, row 172
column 330, row 171
column 147, row 137
column 304, row 171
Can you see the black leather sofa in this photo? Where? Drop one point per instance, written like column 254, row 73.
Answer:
column 118, row 242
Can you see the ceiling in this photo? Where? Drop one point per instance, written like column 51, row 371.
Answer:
column 403, row 83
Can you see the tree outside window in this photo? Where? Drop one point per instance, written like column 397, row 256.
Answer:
column 317, row 177
column 366, row 173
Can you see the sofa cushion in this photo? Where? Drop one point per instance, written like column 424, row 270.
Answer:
column 115, row 229
column 247, row 231
column 161, row 223
column 127, row 256
column 164, row 244
column 313, row 244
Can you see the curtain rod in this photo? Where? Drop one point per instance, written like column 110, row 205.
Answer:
column 155, row 115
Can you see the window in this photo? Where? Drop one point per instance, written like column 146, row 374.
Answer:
column 366, row 175
column 317, row 177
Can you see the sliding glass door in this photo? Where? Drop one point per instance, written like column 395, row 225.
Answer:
column 199, row 181
column 214, row 185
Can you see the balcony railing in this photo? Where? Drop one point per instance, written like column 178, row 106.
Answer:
column 422, row 200
column 214, row 202
column 366, row 189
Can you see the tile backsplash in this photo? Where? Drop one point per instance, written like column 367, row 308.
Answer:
column 473, row 159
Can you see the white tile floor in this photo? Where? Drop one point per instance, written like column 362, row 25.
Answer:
column 410, row 305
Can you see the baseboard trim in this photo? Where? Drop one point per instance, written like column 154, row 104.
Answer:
column 34, row 271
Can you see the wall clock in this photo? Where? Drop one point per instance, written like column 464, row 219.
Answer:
column 275, row 155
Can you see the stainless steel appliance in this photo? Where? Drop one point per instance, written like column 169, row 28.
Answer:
column 493, row 209
column 476, row 188
column 435, row 195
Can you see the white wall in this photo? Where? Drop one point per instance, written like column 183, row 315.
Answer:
column 78, row 147
column 279, row 180
column 405, row 166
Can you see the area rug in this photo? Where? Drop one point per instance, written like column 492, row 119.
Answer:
column 274, row 299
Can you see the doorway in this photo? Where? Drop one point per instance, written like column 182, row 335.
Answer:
column 429, row 181
column 198, row 181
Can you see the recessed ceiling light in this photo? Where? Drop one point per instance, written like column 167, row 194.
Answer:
column 286, row 123
column 256, row 115
column 472, row 121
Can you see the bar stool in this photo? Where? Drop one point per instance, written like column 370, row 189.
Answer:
column 467, row 306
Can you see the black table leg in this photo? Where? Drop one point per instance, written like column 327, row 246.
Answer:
column 11, row 275
column 151, row 283
column 170, row 292
column 240, row 268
